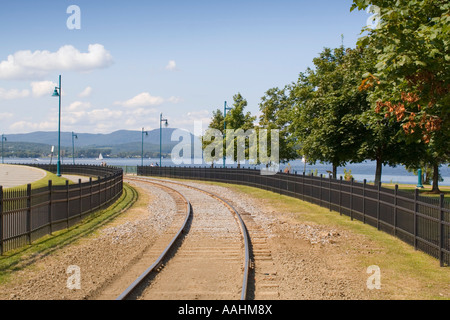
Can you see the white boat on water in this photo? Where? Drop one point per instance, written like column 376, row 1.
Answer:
column 100, row 157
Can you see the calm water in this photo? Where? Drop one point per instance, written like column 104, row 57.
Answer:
column 360, row 171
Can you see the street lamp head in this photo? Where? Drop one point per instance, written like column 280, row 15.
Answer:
column 55, row 93
column 166, row 124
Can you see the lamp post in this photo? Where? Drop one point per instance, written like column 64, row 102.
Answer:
column 225, row 109
column 57, row 93
column 142, row 153
column 3, row 139
column 74, row 136
column 419, row 184
column 161, row 120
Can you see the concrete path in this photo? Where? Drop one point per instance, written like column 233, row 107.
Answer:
column 13, row 175
column 75, row 178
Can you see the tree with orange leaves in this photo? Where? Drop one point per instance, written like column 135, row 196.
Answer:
column 411, row 83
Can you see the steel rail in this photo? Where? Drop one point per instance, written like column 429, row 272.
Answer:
column 242, row 226
column 125, row 294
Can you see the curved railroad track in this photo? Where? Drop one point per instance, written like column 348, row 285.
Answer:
column 207, row 258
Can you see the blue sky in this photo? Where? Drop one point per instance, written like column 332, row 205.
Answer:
column 133, row 59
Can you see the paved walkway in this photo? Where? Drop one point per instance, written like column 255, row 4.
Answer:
column 75, row 178
column 13, row 176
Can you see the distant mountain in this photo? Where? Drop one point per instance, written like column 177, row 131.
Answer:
column 121, row 137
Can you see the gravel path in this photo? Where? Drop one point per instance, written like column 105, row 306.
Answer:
column 208, row 264
column 305, row 261
column 296, row 261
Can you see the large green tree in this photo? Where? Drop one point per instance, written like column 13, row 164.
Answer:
column 237, row 119
column 212, row 140
column 328, row 108
column 276, row 114
column 411, row 81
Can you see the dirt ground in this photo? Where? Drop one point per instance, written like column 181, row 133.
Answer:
column 308, row 262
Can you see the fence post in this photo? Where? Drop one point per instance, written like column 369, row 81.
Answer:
column 81, row 197
column 340, row 196
column 320, row 190
column 416, row 198
column 50, row 187
column 351, row 199
column 68, row 203
column 378, row 204
column 100, row 191
column 90, row 194
column 395, row 209
column 441, row 230
column 29, row 213
column 303, row 186
column 1, row 220
column 295, row 184
column 364, row 201
column 329, row 192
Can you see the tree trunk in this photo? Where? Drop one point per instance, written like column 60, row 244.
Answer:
column 335, row 171
column 378, row 171
column 436, row 179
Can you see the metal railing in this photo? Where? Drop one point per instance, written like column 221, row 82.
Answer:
column 29, row 214
column 420, row 221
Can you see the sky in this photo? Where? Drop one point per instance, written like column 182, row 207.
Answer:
column 123, row 63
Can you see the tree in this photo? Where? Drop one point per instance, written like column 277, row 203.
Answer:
column 236, row 119
column 210, row 142
column 328, row 109
column 276, row 110
column 411, row 80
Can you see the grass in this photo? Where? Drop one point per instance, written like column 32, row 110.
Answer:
column 406, row 274
column 426, row 191
column 56, row 181
column 18, row 259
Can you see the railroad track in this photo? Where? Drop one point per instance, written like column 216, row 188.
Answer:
column 204, row 259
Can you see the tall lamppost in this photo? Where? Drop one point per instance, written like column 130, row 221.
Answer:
column 3, row 139
column 57, row 93
column 74, row 136
column 161, row 120
column 142, row 153
column 225, row 109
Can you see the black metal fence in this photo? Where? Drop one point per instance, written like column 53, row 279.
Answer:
column 29, row 214
column 420, row 221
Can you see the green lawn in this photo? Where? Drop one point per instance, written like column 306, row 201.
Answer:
column 426, row 191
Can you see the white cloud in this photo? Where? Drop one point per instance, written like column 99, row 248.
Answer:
column 13, row 94
column 144, row 99
column 85, row 93
column 174, row 100
column 171, row 66
column 5, row 115
column 27, row 126
column 25, row 64
column 78, row 106
column 43, row 88
column 188, row 120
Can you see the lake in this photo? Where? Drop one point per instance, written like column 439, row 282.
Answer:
column 360, row 171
